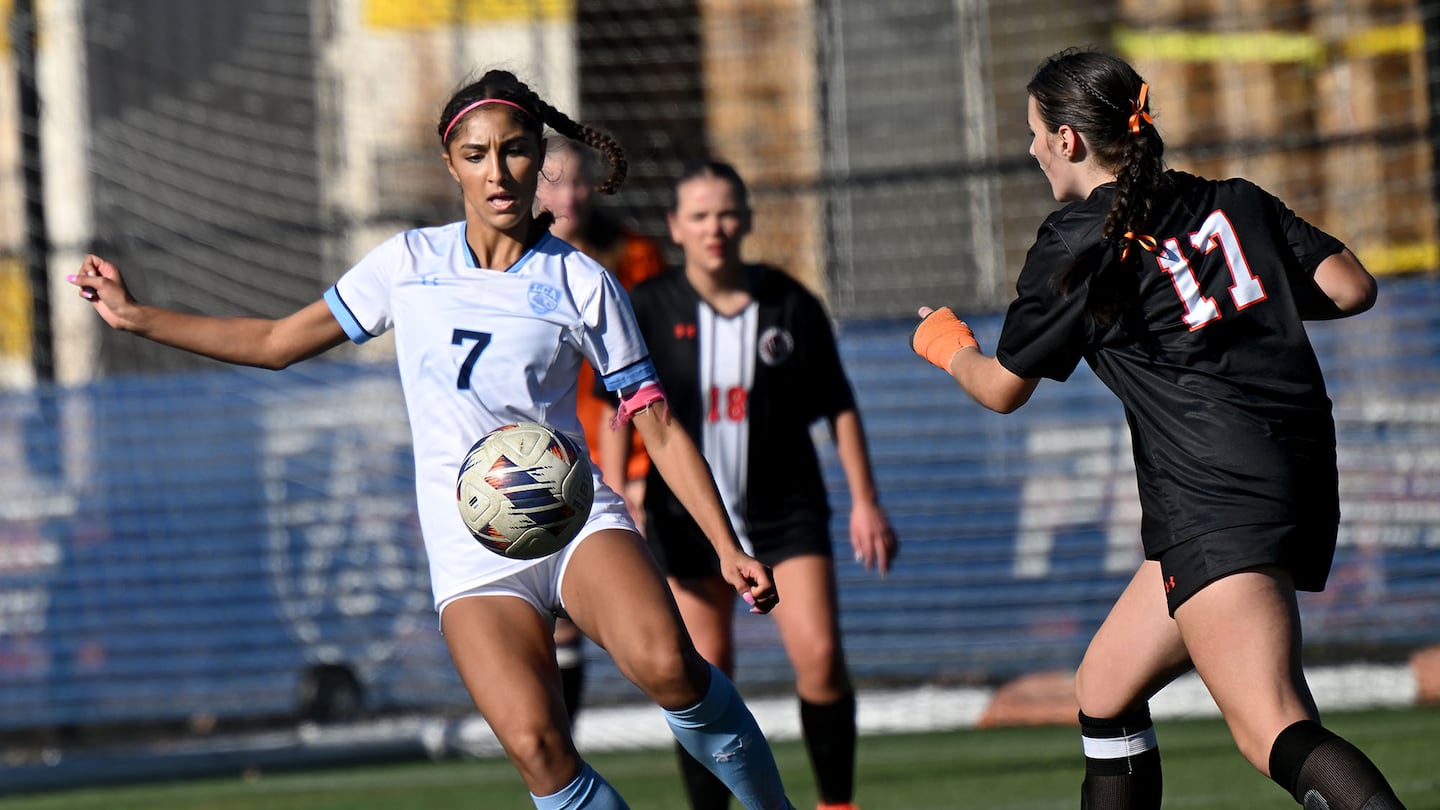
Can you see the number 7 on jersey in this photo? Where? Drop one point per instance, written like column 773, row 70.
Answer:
column 458, row 338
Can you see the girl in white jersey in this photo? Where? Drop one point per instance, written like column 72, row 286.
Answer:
column 492, row 316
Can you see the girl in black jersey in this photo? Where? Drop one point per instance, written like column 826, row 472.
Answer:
column 749, row 363
column 1187, row 298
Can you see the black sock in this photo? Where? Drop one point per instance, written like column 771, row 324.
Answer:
column 703, row 788
column 571, row 659
column 1122, row 762
column 829, row 731
column 1324, row 772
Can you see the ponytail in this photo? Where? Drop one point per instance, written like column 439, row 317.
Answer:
column 1139, row 180
column 1102, row 97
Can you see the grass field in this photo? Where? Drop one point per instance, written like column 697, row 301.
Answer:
column 1001, row 769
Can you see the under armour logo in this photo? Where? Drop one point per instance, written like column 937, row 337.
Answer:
column 430, row 281
column 684, row 331
column 1169, row 584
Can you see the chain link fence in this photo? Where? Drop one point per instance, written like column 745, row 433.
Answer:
column 244, row 154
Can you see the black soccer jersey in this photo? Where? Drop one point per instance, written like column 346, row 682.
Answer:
column 1227, row 408
column 798, row 379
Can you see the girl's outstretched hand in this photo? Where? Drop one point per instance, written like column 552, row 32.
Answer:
column 100, row 283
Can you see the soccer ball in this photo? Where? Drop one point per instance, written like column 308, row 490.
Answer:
column 525, row 490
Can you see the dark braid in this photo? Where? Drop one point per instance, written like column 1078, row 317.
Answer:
column 1138, row 178
column 1087, row 87
column 501, row 84
column 1095, row 94
column 593, row 138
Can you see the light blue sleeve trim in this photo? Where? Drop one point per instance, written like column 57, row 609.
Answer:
column 347, row 319
column 632, row 375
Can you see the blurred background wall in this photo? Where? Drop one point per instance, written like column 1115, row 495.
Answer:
column 885, row 141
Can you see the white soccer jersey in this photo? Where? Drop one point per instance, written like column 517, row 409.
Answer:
column 478, row 349
column 727, row 375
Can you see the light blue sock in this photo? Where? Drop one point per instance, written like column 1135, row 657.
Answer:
column 722, row 735
column 589, row 790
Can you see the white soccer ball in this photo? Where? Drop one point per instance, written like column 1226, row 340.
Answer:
column 524, row 490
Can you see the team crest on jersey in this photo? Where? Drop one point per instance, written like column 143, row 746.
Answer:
column 775, row 346
column 543, row 298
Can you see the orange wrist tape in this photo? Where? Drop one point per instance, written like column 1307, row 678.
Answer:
column 940, row 336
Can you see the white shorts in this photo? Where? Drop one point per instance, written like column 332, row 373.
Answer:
column 539, row 584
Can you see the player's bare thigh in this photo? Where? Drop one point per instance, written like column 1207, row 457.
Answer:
column 615, row 594
column 707, row 605
column 502, row 648
column 1243, row 633
column 808, row 618
column 1136, row 651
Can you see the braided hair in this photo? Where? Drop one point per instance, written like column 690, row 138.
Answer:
column 1102, row 97
column 533, row 114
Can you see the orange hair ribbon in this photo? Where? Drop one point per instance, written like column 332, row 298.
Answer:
column 1147, row 243
column 1139, row 113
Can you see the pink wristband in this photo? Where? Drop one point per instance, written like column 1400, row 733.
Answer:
column 646, row 395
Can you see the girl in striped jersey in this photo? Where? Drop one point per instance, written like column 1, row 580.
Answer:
column 750, row 363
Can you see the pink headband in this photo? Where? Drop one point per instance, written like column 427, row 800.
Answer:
column 472, row 105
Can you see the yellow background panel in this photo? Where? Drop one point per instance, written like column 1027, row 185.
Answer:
column 1384, row 40
column 14, row 310
column 1400, row 258
column 1220, row 46
column 7, row 8
column 436, row 13
column 1266, row 46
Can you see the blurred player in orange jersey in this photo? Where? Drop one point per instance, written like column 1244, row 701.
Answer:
column 566, row 190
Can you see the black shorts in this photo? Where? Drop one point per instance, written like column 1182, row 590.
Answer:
column 688, row 554
column 1306, row 552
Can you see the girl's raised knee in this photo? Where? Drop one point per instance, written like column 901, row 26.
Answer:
column 545, row 758
column 668, row 678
